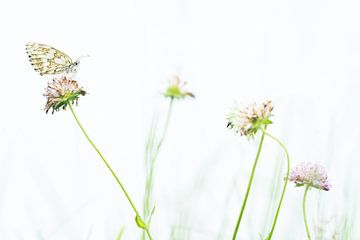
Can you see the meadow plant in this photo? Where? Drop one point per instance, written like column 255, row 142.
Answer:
column 174, row 91
column 247, row 121
column 309, row 175
column 63, row 92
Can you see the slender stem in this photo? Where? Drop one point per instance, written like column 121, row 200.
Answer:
column 248, row 186
column 285, row 184
column 304, row 212
column 107, row 165
column 150, row 172
column 164, row 132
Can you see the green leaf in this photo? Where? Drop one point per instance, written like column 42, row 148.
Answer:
column 151, row 214
column 267, row 121
column 140, row 222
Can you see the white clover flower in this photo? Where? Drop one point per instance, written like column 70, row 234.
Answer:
column 246, row 121
column 310, row 174
column 60, row 92
column 176, row 89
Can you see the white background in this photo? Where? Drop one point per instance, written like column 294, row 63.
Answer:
column 304, row 55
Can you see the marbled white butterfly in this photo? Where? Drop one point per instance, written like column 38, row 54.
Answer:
column 47, row 60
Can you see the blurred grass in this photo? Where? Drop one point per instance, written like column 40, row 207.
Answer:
column 121, row 233
column 225, row 222
column 273, row 195
column 326, row 222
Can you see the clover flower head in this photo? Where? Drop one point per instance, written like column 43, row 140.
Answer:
column 176, row 89
column 60, row 92
column 247, row 120
column 310, row 174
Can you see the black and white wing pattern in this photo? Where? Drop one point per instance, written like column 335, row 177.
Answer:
column 47, row 60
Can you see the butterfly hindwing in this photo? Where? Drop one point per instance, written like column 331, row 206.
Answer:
column 47, row 60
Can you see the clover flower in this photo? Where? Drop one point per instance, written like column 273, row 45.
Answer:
column 310, row 174
column 247, row 120
column 60, row 92
column 176, row 89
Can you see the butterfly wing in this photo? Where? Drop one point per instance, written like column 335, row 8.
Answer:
column 47, row 60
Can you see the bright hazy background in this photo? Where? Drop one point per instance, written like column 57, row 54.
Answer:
column 304, row 55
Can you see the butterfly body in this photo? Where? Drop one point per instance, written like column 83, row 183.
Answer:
column 47, row 60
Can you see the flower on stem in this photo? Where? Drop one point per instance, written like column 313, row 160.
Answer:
column 176, row 89
column 60, row 92
column 310, row 174
column 247, row 120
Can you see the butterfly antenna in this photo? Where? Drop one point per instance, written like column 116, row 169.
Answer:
column 81, row 57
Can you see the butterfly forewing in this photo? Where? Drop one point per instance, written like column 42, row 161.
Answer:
column 48, row 60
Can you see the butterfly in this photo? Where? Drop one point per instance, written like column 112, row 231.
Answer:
column 47, row 60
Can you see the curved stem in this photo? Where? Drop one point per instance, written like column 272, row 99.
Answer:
column 248, row 187
column 107, row 165
column 304, row 212
column 285, row 184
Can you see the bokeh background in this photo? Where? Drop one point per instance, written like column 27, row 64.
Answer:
column 303, row 55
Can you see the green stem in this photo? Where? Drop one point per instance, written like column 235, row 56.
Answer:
column 154, row 157
column 108, row 166
column 304, row 212
column 150, row 172
column 164, row 132
column 285, row 184
column 248, row 187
